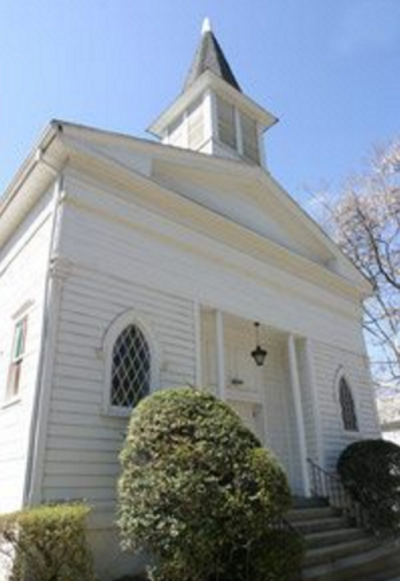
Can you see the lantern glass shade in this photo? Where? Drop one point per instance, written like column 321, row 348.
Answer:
column 259, row 354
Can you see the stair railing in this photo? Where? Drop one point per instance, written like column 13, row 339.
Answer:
column 281, row 524
column 328, row 486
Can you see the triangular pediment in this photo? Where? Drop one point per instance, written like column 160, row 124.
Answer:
column 246, row 201
column 246, row 196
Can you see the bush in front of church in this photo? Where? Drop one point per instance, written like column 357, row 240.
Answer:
column 200, row 495
column 47, row 543
column 370, row 472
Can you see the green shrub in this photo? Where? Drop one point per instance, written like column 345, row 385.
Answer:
column 370, row 471
column 48, row 543
column 198, row 492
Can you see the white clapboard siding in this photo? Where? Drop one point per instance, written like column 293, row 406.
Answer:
column 83, row 444
column 122, row 257
column 23, row 265
column 203, row 270
column 330, row 363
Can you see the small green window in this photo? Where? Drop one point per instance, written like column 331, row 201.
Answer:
column 17, row 357
column 20, row 339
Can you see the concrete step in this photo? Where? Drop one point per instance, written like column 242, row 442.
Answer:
column 300, row 502
column 361, row 567
column 390, row 572
column 331, row 538
column 384, row 576
column 308, row 514
column 330, row 554
column 307, row 527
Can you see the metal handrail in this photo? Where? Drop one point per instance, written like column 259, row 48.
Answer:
column 282, row 524
column 327, row 485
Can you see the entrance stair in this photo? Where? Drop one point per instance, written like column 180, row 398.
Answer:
column 338, row 551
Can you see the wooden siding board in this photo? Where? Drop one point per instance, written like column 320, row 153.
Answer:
column 23, row 268
column 114, row 268
column 330, row 362
column 77, row 427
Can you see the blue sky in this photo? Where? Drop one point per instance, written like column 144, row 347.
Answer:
column 328, row 70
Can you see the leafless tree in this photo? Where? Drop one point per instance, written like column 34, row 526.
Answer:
column 365, row 221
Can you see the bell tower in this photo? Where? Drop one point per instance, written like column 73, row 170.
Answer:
column 212, row 115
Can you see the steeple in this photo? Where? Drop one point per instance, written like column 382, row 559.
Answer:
column 212, row 115
column 210, row 57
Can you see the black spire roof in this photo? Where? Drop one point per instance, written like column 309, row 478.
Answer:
column 209, row 56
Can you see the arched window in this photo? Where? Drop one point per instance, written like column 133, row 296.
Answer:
column 349, row 416
column 131, row 368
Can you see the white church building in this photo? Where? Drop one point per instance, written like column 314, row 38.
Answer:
column 130, row 265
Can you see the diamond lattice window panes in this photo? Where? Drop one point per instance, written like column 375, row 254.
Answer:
column 130, row 376
column 349, row 416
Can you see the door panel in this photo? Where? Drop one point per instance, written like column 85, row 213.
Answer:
column 252, row 415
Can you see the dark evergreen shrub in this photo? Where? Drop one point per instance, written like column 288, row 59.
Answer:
column 48, row 543
column 199, row 494
column 370, row 471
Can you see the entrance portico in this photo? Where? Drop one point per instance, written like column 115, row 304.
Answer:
column 277, row 400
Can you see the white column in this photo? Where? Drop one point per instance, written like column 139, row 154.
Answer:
column 315, row 403
column 220, row 343
column 294, row 376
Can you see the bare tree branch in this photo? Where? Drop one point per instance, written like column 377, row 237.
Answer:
column 365, row 221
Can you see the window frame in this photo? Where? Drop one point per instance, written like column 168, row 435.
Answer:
column 252, row 153
column 250, row 150
column 341, row 377
column 226, row 126
column 111, row 335
column 16, row 360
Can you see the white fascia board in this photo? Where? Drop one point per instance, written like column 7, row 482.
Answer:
column 207, row 81
column 27, row 166
column 31, row 181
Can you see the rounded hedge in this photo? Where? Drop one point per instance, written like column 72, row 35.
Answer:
column 47, row 543
column 198, row 492
column 370, row 471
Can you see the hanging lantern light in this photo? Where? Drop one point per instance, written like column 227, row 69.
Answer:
column 258, row 354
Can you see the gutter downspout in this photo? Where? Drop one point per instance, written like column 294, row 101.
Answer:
column 37, row 407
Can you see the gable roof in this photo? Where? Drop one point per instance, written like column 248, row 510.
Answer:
column 210, row 57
